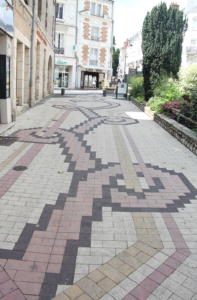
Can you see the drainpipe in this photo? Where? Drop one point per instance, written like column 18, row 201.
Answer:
column 112, row 37
column 31, row 55
column 76, row 77
column 54, row 47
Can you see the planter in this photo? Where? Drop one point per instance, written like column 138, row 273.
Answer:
column 183, row 134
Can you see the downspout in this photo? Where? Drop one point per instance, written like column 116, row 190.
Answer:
column 112, row 37
column 54, row 47
column 76, row 34
column 31, row 55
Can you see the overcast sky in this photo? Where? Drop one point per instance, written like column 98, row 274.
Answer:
column 129, row 16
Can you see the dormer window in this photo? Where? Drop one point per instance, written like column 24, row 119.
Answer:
column 59, row 11
column 96, row 9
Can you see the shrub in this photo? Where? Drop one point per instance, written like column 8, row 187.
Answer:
column 137, row 87
column 188, row 79
column 155, row 103
column 140, row 99
column 168, row 89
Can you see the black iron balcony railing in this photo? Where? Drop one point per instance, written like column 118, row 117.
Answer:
column 94, row 62
column 59, row 50
column 192, row 49
column 95, row 38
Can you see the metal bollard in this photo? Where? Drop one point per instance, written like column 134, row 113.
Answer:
column 104, row 93
column 62, row 91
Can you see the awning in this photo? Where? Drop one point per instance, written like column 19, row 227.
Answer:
column 95, row 67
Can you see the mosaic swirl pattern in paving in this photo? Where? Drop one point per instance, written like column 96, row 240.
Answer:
column 105, row 210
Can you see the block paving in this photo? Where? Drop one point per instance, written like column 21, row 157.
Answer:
column 106, row 208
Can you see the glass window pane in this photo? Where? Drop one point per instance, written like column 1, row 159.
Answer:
column 93, row 8
column 61, row 11
column 98, row 9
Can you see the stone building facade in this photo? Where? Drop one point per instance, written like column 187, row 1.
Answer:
column 84, row 41
column 31, row 82
column 95, row 42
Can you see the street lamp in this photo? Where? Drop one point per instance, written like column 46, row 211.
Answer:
column 125, row 59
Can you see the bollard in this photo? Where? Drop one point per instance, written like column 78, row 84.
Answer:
column 62, row 91
column 104, row 93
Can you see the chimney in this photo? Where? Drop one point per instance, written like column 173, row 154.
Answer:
column 174, row 5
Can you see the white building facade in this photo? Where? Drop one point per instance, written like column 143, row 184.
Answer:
column 131, row 56
column 189, row 54
column 95, row 42
column 83, row 43
column 65, row 39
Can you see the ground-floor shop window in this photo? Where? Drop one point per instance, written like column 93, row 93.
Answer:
column 61, row 76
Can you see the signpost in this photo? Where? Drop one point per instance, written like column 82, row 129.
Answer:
column 122, row 88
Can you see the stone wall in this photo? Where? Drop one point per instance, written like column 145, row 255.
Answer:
column 183, row 134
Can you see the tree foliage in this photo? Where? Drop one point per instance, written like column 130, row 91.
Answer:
column 162, row 37
column 115, row 57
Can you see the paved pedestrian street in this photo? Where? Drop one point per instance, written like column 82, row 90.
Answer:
column 106, row 209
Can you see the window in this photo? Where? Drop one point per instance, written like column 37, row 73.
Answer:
column 59, row 11
column 94, row 57
column 59, row 43
column 39, row 9
column 95, row 34
column 193, row 46
column 195, row 24
column 96, row 9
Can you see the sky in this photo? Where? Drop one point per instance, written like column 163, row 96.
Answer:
column 129, row 16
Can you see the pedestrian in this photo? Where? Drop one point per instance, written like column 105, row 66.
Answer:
column 94, row 82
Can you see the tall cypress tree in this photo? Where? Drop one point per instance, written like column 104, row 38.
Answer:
column 162, row 36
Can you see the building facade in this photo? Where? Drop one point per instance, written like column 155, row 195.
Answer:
column 83, row 43
column 31, row 54
column 65, row 40
column 131, row 56
column 189, row 54
column 95, row 42
column 6, row 38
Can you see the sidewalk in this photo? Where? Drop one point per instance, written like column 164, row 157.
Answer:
column 106, row 209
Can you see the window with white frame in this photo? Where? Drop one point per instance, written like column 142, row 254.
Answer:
column 94, row 57
column 193, row 45
column 59, row 11
column 95, row 36
column 59, row 43
column 195, row 24
column 96, row 9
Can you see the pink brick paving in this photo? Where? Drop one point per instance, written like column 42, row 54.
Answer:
column 8, row 288
column 44, row 263
column 148, row 285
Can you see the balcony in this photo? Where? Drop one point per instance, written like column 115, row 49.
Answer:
column 95, row 38
column 59, row 50
column 191, row 49
column 94, row 62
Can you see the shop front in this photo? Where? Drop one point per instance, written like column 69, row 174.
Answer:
column 88, row 76
column 61, row 74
